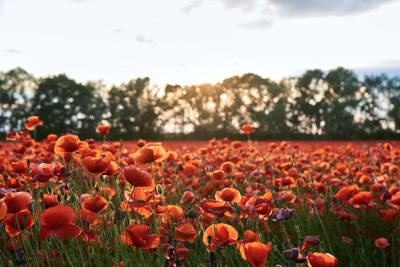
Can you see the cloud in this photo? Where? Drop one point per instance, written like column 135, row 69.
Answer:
column 187, row 9
column 258, row 24
column 143, row 39
column 306, row 8
column 391, row 68
column 13, row 51
column 116, row 31
column 325, row 7
column 245, row 5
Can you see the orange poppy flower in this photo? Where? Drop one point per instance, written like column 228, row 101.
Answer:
column 186, row 232
column 42, row 172
column 318, row 259
column 97, row 164
column 17, row 222
column 347, row 192
column 247, row 129
column 50, row 200
column 221, row 234
column 215, row 207
column 95, row 204
column 103, row 129
column 218, row 175
column 361, row 198
column 188, row 197
column 33, row 121
column 388, row 214
column 228, row 194
column 228, row 167
column 137, row 236
column 149, row 153
column 69, row 143
column 172, row 212
column 58, row 221
column 249, row 236
column 17, row 201
column 138, row 177
column 256, row 253
column 382, row 243
column 171, row 156
column 18, row 167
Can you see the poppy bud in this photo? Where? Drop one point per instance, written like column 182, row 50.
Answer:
column 48, row 190
column 31, row 207
column 160, row 190
column 28, row 162
column 5, row 178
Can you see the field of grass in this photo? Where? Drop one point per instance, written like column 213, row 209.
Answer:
column 69, row 202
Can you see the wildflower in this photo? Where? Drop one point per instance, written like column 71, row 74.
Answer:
column 33, row 121
column 137, row 236
column 58, row 221
column 103, row 129
column 220, row 234
column 256, row 253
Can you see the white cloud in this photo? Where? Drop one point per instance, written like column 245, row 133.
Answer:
column 298, row 8
column 143, row 39
column 256, row 24
column 13, row 51
column 187, row 9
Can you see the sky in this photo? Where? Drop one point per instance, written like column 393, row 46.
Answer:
column 197, row 41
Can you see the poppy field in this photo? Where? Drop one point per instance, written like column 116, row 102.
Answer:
column 66, row 201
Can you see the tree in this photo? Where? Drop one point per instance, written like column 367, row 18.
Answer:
column 16, row 89
column 66, row 106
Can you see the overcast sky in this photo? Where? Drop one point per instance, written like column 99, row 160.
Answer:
column 195, row 41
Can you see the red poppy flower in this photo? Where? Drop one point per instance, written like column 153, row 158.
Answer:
column 247, row 129
column 3, row 210
column 42, row 172
column 18, row 167
column 17, row 222
column 103, row 129
column 221, row 234
column 382, row 243
column 188, row 197
column 172, row 212
column 137, row 236
column 33, row 121
column 17, row 201
column 58, row 221
column 215, row 207
column 361, row 198
column 69, row 143
column 186, row 232
column 94, row 204
column 138, row 177
column 149, row 153
column 228, row 194
column 256, row 253
column 97, row 164
column 228, row 167
column 318, row 259
column 50, row 200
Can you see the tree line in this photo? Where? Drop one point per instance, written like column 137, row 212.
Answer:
column 335, row 104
